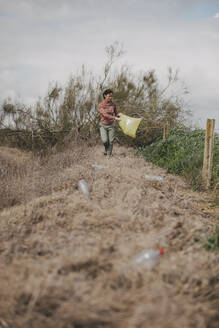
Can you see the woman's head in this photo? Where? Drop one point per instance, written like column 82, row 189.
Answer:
column 107, row 94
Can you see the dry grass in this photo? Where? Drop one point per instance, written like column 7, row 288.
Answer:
column 66, row 260
column 24, row 177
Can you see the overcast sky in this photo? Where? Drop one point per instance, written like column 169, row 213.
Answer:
column 43, row 41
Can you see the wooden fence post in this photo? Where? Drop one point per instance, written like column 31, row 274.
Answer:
column 208, row 152
column 165, row 130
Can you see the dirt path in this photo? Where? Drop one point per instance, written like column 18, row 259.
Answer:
column 66, row 261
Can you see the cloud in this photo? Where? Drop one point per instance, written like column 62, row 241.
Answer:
column 216, row 15
column 43, row 41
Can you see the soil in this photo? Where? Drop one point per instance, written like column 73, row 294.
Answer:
column 66, row 261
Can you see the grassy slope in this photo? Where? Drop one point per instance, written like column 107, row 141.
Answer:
column 182, row 153
column 66, row 261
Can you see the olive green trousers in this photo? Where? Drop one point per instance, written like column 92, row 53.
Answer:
column 107, row 133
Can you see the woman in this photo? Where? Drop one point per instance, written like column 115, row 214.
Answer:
column 109, row 115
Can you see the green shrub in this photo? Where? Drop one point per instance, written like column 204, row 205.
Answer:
column 215, row 170
column 212, row 243
column 182, row 153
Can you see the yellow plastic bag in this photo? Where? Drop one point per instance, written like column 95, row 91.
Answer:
column 129, row 125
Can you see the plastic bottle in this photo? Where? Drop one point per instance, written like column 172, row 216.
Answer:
column 95, row 166
column 153, row 177
column 149, row 258
column 83, row 186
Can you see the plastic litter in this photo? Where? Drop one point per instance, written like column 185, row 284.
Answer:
column 95, row 166
column 129, row 125
column 149, row 258
column 83, row 186
column 153, row 177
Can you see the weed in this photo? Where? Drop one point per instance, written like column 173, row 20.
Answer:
column 212, row 243
column 182, row 153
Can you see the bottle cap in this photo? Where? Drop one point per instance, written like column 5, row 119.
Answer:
column 161, row 251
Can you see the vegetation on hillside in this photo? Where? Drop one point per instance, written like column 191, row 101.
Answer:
column 182, row 153
column 70, row 111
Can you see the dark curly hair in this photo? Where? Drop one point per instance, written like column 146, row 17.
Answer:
column 106, row 92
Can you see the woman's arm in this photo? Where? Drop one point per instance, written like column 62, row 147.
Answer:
column 116, row 111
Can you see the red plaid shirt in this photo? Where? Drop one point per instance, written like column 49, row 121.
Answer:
column 108, row 111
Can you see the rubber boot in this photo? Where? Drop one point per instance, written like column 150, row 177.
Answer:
column 106, row 148
column 110, row 150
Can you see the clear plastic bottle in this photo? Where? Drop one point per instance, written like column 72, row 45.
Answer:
column 149, row 258
column 95, row 166
column 153, row 177
column 83, row 186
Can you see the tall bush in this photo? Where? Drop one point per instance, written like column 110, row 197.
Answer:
column 72, row 109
